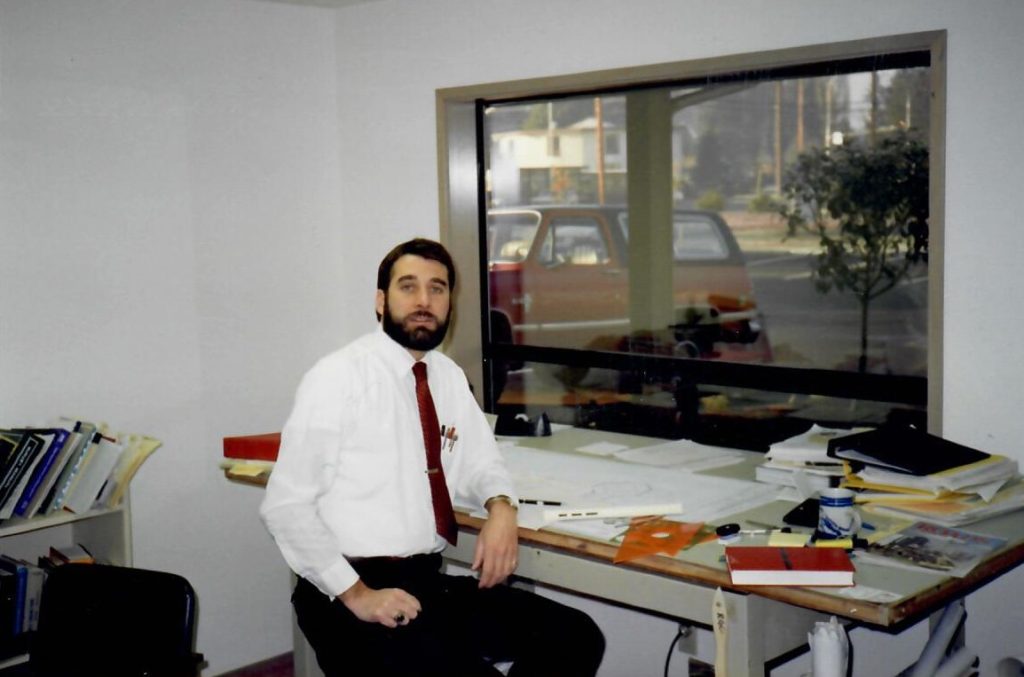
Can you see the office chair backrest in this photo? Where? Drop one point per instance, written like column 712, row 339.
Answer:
column 116, row 621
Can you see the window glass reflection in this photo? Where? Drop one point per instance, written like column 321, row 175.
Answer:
column 778, row 221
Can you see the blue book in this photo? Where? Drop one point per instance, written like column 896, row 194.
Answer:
column 55, row 500
column 18, row 464
column 42, row 470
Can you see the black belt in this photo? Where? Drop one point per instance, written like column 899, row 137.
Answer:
column 429, row 561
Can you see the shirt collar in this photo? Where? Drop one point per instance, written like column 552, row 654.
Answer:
column 397, row 357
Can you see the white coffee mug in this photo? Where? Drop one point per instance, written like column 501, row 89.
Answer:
column 837, row 517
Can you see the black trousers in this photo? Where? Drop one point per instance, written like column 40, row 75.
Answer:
column 460, row 630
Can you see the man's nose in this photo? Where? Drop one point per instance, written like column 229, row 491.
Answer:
column 423, row 298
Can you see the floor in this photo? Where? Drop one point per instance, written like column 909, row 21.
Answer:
column 279, row 666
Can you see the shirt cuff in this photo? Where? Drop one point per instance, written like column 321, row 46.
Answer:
column 337, row 579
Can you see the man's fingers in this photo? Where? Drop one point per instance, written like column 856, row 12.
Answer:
column 395, row 607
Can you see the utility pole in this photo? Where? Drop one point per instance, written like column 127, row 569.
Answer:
column 799, row 116
column 829, row 86
column 873, row 129
column 599, row 147
column 778, row 138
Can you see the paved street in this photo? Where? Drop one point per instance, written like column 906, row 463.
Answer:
column 809, row 328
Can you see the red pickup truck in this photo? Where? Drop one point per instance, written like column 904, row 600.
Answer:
column 559, row 276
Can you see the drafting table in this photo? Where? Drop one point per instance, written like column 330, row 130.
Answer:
column 764, row 622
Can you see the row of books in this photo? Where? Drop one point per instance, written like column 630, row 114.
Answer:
column 21, row 590
column 72, row 465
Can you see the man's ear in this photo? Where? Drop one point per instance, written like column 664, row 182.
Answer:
column 380, row 302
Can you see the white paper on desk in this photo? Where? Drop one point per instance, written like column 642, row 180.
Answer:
column 573, row 479
column 683, row 454
column 532, row 517
column 611, row 529
column 808, row 447
column 865, row 594
column 718, row 497
column 529, row 516
column 601, row 448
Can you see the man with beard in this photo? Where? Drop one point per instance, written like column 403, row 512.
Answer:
column 383, row 434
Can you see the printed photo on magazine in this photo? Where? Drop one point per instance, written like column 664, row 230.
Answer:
column 924, row 546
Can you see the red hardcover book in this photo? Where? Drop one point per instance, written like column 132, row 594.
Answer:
column 767, row 565
column 253, row 447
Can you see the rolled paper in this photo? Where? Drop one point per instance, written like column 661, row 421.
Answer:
column 937, row 644
column 957, row 664
column 830, row 649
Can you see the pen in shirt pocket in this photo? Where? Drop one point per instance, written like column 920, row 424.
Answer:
column 448, row 438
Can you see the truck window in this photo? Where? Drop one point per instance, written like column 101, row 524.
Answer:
column 510, row 236
column 694, row 238
column 575, row 241
column 697, row 238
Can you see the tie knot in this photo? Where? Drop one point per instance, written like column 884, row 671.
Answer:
column 420, row 371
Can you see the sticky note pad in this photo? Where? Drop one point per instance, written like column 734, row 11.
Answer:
column 845, row 543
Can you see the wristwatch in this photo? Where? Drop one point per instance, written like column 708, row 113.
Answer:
column 500, row 497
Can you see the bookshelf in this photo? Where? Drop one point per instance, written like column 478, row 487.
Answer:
column 106, row 533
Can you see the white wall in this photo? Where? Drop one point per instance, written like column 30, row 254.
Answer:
column 171, row 259
column 194, row 195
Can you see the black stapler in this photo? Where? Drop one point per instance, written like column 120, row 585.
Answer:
column 521, row 425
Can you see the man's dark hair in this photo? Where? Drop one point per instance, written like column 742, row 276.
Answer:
column 422, row 247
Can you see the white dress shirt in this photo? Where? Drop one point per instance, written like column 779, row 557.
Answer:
column 350, row 478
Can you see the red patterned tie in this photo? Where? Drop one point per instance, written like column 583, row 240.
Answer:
column 444, row 516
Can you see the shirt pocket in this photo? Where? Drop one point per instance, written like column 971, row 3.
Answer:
column 367, row 462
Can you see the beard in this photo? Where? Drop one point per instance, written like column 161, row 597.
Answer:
column 415, row 338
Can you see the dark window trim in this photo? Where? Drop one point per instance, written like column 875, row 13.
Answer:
column 812, row 68
column 912, row 390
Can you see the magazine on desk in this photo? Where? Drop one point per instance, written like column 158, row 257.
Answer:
column 933, row 548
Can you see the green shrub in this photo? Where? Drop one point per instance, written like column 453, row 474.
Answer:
column 763, row 202
column 711, row 200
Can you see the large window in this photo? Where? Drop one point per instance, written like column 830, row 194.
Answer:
column 725, row 251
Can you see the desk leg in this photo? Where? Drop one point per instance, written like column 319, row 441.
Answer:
column 761, row 629
column 747, row 624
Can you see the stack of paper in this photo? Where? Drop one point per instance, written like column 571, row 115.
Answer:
column 952, row 509
column 803, row 462
column 914, row 474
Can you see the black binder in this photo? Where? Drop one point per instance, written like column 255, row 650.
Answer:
column 903, row 449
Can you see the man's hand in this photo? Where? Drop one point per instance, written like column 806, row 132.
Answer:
column 497, row 545
column 388, row 606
